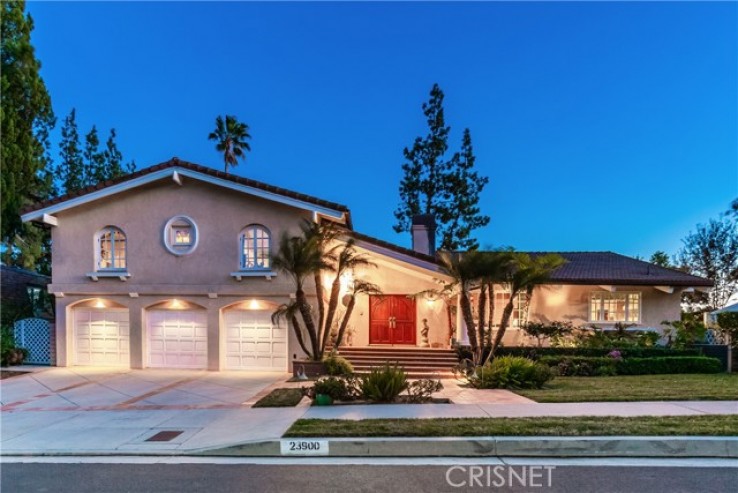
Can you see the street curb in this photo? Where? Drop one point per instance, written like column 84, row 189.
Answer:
column 613, row 446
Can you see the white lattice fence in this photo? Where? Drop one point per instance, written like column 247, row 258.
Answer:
column 34, row 334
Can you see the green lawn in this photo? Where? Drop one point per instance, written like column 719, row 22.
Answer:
column 690, row 387
column 575, row 426
column 280, row 398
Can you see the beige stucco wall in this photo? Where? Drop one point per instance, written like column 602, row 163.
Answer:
column 142, row 213
column 570, row 303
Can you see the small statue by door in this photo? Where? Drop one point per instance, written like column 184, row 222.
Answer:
column 424, row 334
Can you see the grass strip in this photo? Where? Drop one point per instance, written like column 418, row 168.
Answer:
column 280, row 398
column 685, row 387
column 708, row 425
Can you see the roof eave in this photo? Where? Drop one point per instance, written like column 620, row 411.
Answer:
column 38, row 214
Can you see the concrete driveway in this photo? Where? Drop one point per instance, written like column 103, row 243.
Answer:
column 80, row 409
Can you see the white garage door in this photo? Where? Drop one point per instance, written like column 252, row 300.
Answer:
column 178, row 339
column 101, row 337
column 253, row 343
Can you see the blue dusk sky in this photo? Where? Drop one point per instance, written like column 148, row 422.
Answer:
column 602, row 126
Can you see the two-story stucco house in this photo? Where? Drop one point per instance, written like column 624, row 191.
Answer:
column 170, row 267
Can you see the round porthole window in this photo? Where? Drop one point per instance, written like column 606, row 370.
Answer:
column 180, row 235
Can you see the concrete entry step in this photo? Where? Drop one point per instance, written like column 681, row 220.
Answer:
column 417, row 362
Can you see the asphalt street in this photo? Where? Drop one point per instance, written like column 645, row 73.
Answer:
column 307, row 478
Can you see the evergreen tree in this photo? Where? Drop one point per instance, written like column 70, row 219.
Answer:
column 94, row 160
column 26, row 117
column 660, row 258
column 71, row 168
column 448, row 189
column 463, row 213
column 113, row 166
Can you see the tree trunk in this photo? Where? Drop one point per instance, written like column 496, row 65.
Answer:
column 466, row 311
column 491, row 313
column 482, row 314
column 298, row 334
column 332, row 306
column 503, row 323
column 307, row 318
column 320, row 294
column 345, row 321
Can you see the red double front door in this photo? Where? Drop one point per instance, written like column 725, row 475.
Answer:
column 391, row 319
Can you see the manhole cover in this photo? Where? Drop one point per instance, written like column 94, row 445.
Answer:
column 164, row 436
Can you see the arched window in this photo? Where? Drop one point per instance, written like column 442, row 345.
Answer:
column 111, row 249
column 255, row 248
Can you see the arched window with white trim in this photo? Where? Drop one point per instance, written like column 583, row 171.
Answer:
column 111, row 249
column 255, row 250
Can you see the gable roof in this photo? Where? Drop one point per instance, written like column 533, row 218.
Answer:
column 172, row 169
column 616, row 269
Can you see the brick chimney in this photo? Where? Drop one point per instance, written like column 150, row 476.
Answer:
column 424, row 234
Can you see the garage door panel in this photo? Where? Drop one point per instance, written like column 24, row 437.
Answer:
column 101, row 337
column 177, row 339
column 253, row 343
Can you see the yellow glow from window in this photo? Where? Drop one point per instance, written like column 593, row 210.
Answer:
column 99, row 303
column 175, row 304
column 254, row 305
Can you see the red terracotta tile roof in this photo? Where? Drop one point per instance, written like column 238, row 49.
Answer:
column 590, row 268
column 613, row 268
column 176, row 162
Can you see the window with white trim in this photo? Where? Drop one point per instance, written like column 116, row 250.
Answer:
column 180, row 235
column 614, row 307
column 111, row 249
column 255, row 242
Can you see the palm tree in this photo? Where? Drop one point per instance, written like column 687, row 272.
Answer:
column 316, row 251
column 463, row 268
column 347, row 260
column 360, row 287
column 231, row 136
column 527, row 273
column 300, row 257
column 493, row 268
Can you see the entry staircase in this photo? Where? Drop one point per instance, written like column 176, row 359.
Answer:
column 417, row 362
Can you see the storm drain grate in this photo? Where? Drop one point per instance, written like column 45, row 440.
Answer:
column 164, row 436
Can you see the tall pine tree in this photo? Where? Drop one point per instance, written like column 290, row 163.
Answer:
column 462, row 215
column 81, row 167
column 27, row 118
column 113, row 166
column 71, row 169
column 446, row 188
column 93, row 158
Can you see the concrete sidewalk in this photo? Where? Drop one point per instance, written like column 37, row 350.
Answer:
column 517, row 410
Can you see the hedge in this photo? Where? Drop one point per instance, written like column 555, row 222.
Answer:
column 678, row 364
column 597, row 366
column 537, row 353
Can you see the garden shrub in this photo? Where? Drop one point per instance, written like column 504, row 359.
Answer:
column 510, row 372
column 685, row 332
column 339, row 389
column 384, row 384
column 422, row 390
column 337, row 365
column 556, row 332
column 10, row 354
column 582, row 366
